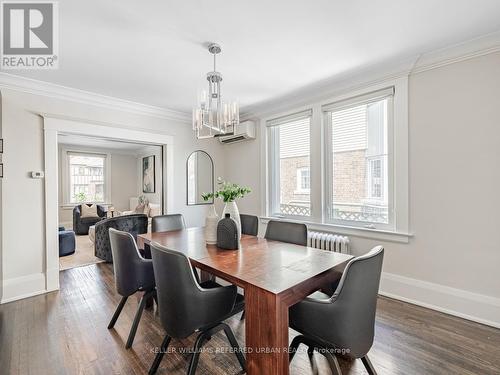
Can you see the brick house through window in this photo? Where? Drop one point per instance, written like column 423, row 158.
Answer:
column 359, row 168
column 358, row 160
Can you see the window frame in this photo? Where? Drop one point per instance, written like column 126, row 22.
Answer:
column 370, row 178
column 398, row 138
column 369, row 97
column 298, row 188
column 66, row 180
column 274, row 185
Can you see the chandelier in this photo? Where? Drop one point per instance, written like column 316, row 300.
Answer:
column 214, row 117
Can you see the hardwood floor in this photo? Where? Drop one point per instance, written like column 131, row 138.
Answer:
column 65, row 333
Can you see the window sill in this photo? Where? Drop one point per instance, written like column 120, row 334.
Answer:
column 302, row 192
column 70, row 206
column 375, row 234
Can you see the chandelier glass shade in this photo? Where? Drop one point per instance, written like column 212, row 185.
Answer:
column 213, row 117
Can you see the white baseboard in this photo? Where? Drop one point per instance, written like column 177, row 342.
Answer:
column 23, row 287
column 467, row 305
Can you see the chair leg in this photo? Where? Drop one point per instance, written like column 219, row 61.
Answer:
column 137, row 318
column 159, row 355
column 196, row 353
column 333, row 362
column 368, row 365
column 312, row 345
column 235, row 345
column 297, row 340
column 310, row 352
column 117, row 312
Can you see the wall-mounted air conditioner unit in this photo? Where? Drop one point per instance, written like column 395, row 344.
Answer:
column 242, row 132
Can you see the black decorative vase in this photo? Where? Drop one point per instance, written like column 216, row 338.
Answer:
column 227, row 234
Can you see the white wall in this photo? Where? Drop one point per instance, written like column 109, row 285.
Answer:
column 123, row 180
column 1, row 210
column 452, row 261
column 22, row 200
column 243, row 167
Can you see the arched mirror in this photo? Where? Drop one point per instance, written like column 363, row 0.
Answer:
column 200, row 177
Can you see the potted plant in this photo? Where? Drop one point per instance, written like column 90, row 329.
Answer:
column 229, row 192
column 81, row 197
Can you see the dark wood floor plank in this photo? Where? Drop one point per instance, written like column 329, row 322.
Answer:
column 65, row 333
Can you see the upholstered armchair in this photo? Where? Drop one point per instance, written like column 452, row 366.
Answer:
column 133, row 224
column 81, row 225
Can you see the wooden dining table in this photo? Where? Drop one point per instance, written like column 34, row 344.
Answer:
column 274, row 276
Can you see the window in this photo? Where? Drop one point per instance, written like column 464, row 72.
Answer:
column 86, row 172
column 289, row 165
column 357, row 178
column 342, row 165
column 375, row 179
column 303, row 181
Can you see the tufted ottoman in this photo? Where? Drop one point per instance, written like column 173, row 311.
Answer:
column 66, row 242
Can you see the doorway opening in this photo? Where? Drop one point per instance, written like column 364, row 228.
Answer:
column 61, row 133
column 102, row 179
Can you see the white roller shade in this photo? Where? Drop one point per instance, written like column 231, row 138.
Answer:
column 289, row 118
column 361, row 99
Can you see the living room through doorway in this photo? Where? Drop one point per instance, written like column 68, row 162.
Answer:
column 103, row 183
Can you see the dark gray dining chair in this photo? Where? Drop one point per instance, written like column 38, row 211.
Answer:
column 133, row 274
column 285, row 231
column 249, row 224
column 186, row 307
column 164, row 223
column 343, row 323
column 167, row 223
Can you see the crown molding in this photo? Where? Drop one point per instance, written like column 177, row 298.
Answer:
column 481, row 46
column 344, row 83
column 36, row 87
column 362, row 77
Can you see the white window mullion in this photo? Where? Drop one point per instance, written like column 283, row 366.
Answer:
column 389, row 173
column 274, row 171
column 327, row 167
column 315, row 168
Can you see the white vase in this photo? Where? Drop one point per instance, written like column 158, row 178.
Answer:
column 232, row 209
column 211, row 222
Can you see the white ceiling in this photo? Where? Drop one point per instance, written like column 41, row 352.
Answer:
column 153, row 52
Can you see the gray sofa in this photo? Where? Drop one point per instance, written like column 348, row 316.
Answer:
column 81, row 225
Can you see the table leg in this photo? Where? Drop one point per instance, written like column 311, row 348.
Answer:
column 266, row 333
